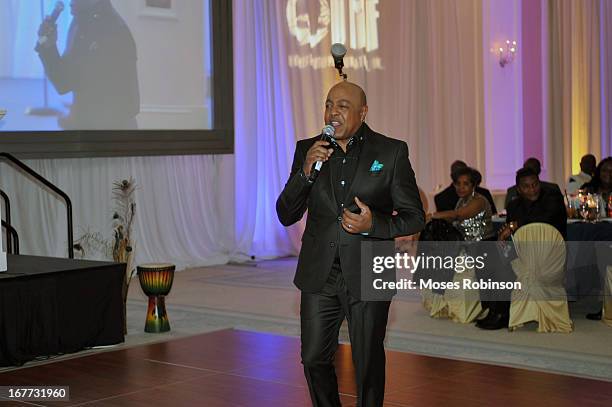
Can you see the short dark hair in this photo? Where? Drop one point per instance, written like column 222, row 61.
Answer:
column 524, row 173
column 589, row 158
column 456, row 165
column 471, row 173
column 588, row 164
column 533, row 163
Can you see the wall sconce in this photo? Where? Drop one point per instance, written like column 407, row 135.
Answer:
column 506, row 55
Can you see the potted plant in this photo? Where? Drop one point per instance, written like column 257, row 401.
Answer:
column 121, row 246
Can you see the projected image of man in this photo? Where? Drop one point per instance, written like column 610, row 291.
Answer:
column 99, row 66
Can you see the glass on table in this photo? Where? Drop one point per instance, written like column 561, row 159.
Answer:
column 573, row 204
column 571, row 210
column 594, row 207
column 583, row 210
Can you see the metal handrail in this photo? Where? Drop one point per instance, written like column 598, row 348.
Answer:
column 52, row 187
column 7, row 212
column 11, row 233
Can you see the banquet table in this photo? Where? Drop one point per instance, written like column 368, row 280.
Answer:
column 589, row 251
column 578, row 230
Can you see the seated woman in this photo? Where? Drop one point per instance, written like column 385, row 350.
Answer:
column 438, row 230
column 440, row 239
column 472, row 215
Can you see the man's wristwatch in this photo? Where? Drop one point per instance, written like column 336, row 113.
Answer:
column 305, row 177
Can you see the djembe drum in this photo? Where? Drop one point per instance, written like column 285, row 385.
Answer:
column 156, row 282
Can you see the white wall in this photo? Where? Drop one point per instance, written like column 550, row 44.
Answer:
column 173, row 72
column 503, row 93
column 184, row 212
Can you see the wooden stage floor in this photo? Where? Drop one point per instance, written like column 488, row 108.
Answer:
column 240, row 368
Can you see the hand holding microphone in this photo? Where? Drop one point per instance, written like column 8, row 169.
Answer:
column 47, row 32
column 318, row 153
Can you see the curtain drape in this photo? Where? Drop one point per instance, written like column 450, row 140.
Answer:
column 579, row 73
column 264, row 128
column 184, row 206
column 606, row 76
column 420, row 63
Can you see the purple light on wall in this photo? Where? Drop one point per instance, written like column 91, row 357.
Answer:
column 606, row 76
column 533, row 142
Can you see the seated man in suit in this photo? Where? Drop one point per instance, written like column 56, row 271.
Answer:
column 534, row 204
column 447, row 199
column 534, row 164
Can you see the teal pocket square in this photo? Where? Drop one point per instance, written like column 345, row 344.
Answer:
column 376, row 166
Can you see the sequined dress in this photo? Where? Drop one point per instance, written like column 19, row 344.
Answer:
column 479, row 226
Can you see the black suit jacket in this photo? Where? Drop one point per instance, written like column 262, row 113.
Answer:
column 447, row 199
column 392, row 188
column 100, row 67
column 548, row 208
column 512, row 192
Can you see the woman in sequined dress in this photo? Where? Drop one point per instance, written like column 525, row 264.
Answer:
column 472, row 215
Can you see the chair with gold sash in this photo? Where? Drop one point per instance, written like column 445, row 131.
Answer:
column 461, row 305
column 606, row 316
column 464, row 304
column 540, row 268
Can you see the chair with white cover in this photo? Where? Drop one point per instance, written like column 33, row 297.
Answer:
column 464, row 304
column 438, row 239
column 461, row 305
column 540, row 268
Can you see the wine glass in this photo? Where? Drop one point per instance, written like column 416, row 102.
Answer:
column 571, row 208
column 583, row 209
column 596, row 207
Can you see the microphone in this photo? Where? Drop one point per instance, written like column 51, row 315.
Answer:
column 57, row 11
column 328, row 131
column 338, row 51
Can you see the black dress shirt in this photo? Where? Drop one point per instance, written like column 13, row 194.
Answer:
column 343, row 166
column 548, row 208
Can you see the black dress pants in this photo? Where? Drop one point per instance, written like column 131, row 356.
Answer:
column 321, row 316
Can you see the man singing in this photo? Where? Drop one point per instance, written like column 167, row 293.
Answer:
column 364, row 179
column 98, row 66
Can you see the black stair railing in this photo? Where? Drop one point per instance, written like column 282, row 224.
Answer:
column 7, row 215
column 11, row 237
column 40, row 179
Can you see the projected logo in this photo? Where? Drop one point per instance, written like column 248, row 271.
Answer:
column 350, row 22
